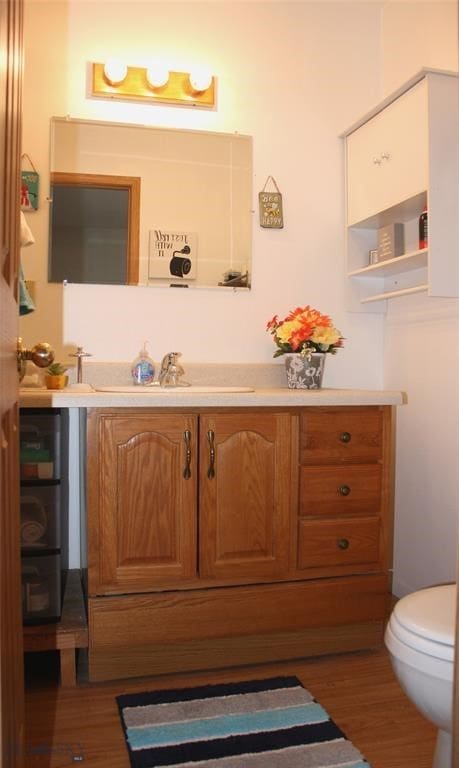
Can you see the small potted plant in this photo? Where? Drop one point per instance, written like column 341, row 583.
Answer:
column 55, row 377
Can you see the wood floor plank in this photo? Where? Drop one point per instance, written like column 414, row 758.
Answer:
column 358, row 690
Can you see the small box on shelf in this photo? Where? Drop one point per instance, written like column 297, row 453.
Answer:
column 391, row 241
column 373, row 256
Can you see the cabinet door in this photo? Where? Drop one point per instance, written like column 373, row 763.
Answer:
column 142, row 502
column 245, row 475
column 387, row 157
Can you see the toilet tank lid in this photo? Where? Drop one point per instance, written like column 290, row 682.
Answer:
column 430, row 613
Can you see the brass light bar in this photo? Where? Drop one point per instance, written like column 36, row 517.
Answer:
column 135, row 86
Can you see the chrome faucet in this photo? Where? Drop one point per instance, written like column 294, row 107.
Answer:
column 171, row 371
column 79, row 354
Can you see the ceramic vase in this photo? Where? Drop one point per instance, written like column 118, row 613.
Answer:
column 304, row 372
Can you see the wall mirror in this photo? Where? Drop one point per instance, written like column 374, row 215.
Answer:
column 149, row 206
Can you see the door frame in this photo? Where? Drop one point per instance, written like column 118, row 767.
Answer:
column 11, row 649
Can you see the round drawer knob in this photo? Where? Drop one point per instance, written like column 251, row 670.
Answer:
column 344, row 490
column 345, row 437
column 343, row 543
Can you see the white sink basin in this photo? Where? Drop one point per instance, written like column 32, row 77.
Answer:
column 139, row 390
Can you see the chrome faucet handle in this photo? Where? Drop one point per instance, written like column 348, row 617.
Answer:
column 169, row 359
column 79, row 354
column 170, row 370
column 166, row 361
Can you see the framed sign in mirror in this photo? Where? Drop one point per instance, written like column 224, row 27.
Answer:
column 191, row 184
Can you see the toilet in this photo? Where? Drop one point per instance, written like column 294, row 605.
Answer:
column 420, row 639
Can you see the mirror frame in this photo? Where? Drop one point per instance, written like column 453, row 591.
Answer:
column 129, row 183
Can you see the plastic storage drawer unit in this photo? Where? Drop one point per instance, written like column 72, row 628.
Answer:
column 42, row 588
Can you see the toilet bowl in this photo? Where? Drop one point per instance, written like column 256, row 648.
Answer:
column 420, row 639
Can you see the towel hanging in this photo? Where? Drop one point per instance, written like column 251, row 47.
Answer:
column 26, row 304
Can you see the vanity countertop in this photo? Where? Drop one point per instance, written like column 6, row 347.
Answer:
column 180, row 398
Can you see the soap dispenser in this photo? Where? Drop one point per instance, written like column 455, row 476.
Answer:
column 143, row 368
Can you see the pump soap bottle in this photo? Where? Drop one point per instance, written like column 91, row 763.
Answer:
column 143, row 368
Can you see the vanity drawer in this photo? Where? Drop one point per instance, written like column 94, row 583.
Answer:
column 341, row 542
column 340, row 490
column 341, row 434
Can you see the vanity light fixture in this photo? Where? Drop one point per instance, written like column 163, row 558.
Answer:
column 157, row 76
column 154, row 84
column 200, row 80
column 115, row 71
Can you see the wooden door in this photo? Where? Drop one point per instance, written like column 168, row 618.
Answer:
column 11, row 659
column 142, row 501
column 245, row 495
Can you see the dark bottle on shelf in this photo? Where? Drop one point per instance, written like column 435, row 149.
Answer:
column 423, row 230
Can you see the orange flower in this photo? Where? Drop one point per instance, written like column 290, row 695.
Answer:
column 304, row 330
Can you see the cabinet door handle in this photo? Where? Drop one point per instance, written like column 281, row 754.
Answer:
column 345, row 437
column 343, row 543
column 187, row 470
column 344, row 490
column 211, row 439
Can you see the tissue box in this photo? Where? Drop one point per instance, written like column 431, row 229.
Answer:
column 390, row 242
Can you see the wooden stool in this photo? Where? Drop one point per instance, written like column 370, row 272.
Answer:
column 67, row 635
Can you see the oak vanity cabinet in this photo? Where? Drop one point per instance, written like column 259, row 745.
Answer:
column 187, row 497
column 217, row 538
column 401, row 157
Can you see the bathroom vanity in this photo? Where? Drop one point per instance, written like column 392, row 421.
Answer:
column 234, row 529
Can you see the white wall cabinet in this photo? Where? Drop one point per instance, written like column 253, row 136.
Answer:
column 400, row 157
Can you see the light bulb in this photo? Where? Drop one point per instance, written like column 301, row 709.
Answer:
column 115, row 71
column 157, row 75
column 200, row 80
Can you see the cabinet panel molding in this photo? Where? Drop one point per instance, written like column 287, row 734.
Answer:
column 344, row 542
column 340, row 490
column 341, row 434
column 218, row 653
column 143, row 506
column 240, row 611
column 245, row 507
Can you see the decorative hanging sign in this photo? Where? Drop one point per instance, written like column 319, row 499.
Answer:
column 270, row 204
column 29, row 187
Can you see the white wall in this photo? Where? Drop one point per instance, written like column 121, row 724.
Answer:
column 417, row 35
column 286, row 75
column 422, row 346
column 422, row 357
column 293, row 75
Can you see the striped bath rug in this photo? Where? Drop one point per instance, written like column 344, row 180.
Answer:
column 273, row 723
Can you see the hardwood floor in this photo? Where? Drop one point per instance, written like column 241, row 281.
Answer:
column 358, row 690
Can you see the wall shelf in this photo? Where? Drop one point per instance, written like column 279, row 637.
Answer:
column 402, row 157
column 400, row 264
column 394, row 294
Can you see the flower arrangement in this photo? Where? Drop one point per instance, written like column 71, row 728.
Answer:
column 304, row 330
